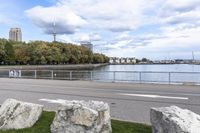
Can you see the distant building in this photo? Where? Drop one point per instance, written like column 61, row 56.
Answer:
column 123, row 60
column 116, row 60
column 15, row 34
column 88, row 45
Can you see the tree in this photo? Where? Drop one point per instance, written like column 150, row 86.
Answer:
column 144, row 60
column 9, row 53
column 2, row 50
column 43, row 60
column 40, row 52
column 98, row 58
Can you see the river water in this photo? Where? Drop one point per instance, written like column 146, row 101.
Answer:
column 154, row 68
column 173, row 73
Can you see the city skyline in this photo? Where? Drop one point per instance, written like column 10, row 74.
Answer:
column 160, row 29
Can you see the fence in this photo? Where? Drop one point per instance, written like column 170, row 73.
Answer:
column 111, row 76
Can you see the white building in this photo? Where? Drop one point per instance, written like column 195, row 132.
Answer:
column 15, row 34
column 116, row 60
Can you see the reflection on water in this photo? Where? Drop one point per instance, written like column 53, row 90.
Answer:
column 154, row 68
column 180, row 73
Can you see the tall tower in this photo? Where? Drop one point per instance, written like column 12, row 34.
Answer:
column 15, row 34
column 54, row 31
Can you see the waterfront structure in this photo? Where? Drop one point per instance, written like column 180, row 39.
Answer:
column 116, row 60
column 87, row 44
column 177, row 61
column 15, row 34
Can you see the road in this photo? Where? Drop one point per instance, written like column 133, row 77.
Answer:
column 130, row 102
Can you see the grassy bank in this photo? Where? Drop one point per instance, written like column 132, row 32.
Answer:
column 43, row 126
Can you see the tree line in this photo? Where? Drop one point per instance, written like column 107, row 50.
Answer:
column 42, row 53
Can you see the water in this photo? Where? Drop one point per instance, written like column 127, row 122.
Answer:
column 154, row 68
column 174, row 73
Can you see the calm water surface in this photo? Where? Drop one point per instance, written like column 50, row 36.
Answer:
column 150, row 73
column 154, row 68
column 125, row 73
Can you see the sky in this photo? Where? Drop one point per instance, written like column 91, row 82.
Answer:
column 154, row 29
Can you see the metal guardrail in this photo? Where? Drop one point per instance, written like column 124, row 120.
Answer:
column 110, row 76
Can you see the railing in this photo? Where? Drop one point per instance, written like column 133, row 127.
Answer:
column 109, row 76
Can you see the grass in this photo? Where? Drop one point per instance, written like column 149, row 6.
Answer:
column 129, row 127
column 43, row 126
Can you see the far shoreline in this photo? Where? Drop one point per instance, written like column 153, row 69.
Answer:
column 54, row 67
column 157, row 64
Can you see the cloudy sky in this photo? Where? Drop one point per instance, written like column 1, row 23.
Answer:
column 155, row 29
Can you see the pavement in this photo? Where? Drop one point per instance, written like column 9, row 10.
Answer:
column 128, row 101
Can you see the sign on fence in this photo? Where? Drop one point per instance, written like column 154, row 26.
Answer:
column 15, row 73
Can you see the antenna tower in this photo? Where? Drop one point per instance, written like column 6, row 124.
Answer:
column 54, row 31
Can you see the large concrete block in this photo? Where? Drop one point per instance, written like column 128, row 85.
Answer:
column 82, row 117
column 17, row 115
column 174, row 120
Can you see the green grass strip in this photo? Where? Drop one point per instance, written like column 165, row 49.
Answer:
column 129, row 127
column 43, row 126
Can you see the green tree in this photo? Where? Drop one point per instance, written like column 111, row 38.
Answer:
column 2, row 51
column 40, row 52
column 21, row 54
column 9, row 53
column 144, row 60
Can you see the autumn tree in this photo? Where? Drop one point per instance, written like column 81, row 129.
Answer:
column 41, row 52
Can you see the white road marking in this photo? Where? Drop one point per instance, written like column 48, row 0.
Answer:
column 60, row 101
column 155, row 96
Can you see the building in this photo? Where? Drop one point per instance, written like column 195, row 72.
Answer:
column 15, row 34
column 116, row 60
column 88, row 45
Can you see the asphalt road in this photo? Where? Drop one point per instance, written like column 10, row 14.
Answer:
column 131, row 102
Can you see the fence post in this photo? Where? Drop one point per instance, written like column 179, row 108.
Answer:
column 35, row 74
column 169, row 77
column 9, row 74
column 51, row 74
column 140, row 77
column 91, row 75
column 114, row 78
column 70, row 75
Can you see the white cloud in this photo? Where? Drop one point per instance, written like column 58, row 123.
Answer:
column 113, row 15
column 95, row 37
column 66, row 39
column 66, row 21
column 176, row 23
column 80, row 37
column 180, row 43
column 84, row 38
column 181, row 5
column 180, row 11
